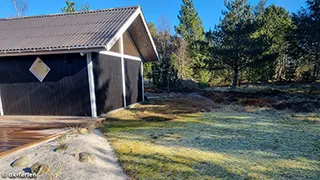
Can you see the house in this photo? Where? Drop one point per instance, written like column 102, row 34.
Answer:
column 76, row 64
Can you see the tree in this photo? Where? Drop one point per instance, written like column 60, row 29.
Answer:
column 190, row 27
column 260, row 8
column 181, row 58
column 191, row 31
column 85, row 7
column 273, row 24
column 153, row 30
column 20, row 7
column 305, row 40
column 234, row 44
column 147, row 66
column 72, row 7
column 164, row 73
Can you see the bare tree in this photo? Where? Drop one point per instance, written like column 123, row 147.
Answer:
column 183, row 62
column 20, row 7
column 164, row 45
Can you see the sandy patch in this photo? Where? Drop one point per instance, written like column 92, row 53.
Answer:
column 66, row 164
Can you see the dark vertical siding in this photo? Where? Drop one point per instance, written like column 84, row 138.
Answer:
column 64, row 91
column 108, row 82
column 133, row 81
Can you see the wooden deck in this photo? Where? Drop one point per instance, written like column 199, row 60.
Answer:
column 18, row 131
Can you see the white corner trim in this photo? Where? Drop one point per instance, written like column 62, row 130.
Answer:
column 1, row 107
column 123, row 73
column 123, row 29
column 91, row 86
column 110, row 53
column 142, row 81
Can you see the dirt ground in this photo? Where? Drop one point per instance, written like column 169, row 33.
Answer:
column 295, row 97
column 298, row 102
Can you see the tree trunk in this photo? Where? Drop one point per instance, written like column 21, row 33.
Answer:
column 235, row 77
column 317, row 63
column 168, row 84
column 315, row 72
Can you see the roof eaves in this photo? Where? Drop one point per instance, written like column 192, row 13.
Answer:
column 48, row 50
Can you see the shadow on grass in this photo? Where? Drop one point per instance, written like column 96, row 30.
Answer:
column 286, row 147
column 160, row 167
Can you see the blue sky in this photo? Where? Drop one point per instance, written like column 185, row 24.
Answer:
column 209, row 10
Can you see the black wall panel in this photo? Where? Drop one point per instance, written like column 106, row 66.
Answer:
column 64, row 91
column 108, row 82
column 133, row 81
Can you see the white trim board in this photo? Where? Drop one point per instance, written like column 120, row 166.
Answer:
column 123, row 73
column 110, row 53
column 91, row 86
column 146, row 26
column 142, row 81
column 123, row 29
column 1, row 107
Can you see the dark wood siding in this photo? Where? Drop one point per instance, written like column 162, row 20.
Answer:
column 64, row 91
column 133, row 81
column 108, row 82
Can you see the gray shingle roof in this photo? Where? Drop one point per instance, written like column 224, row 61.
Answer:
column 92, row 29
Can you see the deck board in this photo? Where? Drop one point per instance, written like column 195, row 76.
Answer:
column 19, row 131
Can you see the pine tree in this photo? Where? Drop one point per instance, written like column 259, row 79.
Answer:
column 163, row 73
column 305, row 40
column 72, row 7
column 273, row 24
column 191, row 31
column 234, row 44
column 190, row 27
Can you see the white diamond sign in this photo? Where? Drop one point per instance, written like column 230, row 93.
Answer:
column 39, row 69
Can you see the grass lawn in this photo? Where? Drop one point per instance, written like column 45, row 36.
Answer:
column 177, row 138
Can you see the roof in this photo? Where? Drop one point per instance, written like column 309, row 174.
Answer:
column 80, row 30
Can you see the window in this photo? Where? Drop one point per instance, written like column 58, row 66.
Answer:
column 39, row 69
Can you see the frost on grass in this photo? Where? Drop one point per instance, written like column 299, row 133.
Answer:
column 203, row 140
